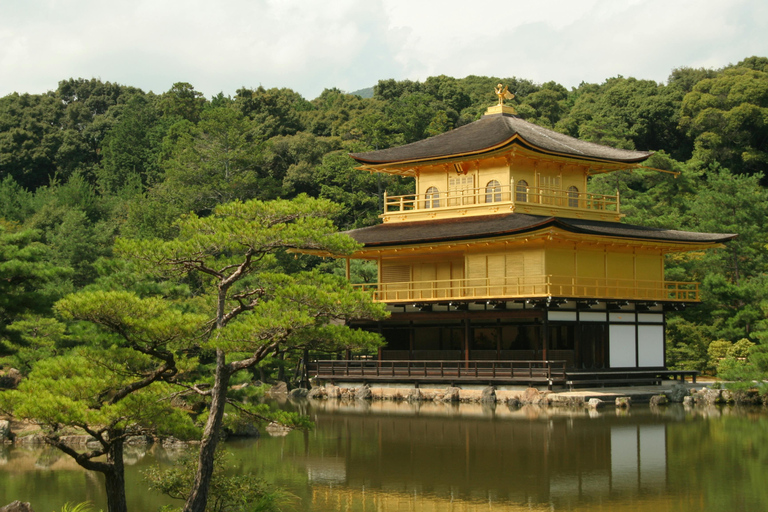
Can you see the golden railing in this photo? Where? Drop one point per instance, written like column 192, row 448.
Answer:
column 499, row 196
column 533, row 286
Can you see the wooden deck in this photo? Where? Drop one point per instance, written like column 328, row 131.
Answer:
column 532, row 373
column 629, row 376
column 442, row 371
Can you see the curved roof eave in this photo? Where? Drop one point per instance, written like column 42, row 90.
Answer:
column 482, row 227
column 496, row 133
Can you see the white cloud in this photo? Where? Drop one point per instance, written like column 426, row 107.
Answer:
column 308, row 46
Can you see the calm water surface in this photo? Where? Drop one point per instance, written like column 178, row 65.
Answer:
column 434, row 457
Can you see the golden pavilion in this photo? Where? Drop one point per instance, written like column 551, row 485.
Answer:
column 503, row 268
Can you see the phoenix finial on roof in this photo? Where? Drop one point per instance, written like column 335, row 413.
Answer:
column 503, row 94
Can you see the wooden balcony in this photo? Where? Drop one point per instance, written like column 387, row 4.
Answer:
column 523, row 287
column 542, row 201
column 511, row 372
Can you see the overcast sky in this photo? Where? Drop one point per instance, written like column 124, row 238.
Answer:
column 310, row 45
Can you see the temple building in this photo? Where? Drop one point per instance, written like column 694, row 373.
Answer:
column 503, row 268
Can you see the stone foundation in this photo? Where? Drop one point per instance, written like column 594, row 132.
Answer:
column 517, row 395
column 487, row 394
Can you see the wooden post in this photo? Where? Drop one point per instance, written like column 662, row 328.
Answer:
column 348, row 269
column 467, row 332
column 411, row 336
column 498, row 341
column 545, row 335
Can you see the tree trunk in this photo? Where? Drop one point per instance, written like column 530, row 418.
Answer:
column 198, row 498
column 115, row 477
column 281, row 368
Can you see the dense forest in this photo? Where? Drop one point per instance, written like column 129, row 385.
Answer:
column 93, row 161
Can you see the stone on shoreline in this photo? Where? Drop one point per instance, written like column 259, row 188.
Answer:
column 533, row 396
column 595, row 403
column 279, row 389
column 332, row 391
column 708, row 396
column 298, row 393
column 10, row 379
column 488, row 395
column 452, row 394
column 363, row 392
column 317, row 393
column 17, row 506
column 414, row 395
column 277, row 429
column 5, row 431
column 172, row 442
column 678, row 393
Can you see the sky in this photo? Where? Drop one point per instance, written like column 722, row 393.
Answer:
column 310, row 45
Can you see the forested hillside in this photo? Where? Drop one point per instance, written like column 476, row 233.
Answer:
column 93, row 160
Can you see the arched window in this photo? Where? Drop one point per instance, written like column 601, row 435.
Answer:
column 493, row 192
column 521, row 191
column 432, row 198
column 573, row 197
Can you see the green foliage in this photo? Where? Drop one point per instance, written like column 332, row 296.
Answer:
column 740, row 349
column 38, row 337
column 56, row 133
column 256, row 311
column 182, row 101
column 113, row 386
column 292, row 160
column 227, row 493
column 84, row 506
column 752, row 373
column 214, row 163
column 29, row 281
column 726, row 117
column 132, row 147
column 110, row 386
column 273, row 111
column 717, row 351
column 85, row 389
column 29, row 137
column 15, row 201
column 687, row 344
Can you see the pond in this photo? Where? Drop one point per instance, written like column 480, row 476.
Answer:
column 389, row 456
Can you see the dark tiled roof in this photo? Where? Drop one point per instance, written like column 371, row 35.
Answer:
column 492, row 132
column 486, row 226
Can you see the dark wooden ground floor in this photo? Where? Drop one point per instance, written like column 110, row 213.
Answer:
column 555, row 342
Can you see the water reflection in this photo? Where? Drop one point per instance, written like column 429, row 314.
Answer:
column 391, row 456
column 470, row 452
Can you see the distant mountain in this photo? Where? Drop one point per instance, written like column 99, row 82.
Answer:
column 364, row 93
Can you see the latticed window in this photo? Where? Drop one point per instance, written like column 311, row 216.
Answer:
column 493, row 192
column 461, row 190
column 432, row 198
column 573, row 197
column 521, row 191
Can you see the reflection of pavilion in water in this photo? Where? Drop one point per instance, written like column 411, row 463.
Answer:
column 435, row 463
